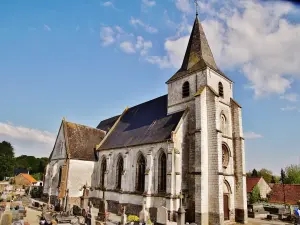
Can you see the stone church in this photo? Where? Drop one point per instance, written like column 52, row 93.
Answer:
column 187, row 143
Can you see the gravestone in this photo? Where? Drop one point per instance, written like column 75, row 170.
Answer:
column 162, row 215
column 144, row 215
column 123, row 216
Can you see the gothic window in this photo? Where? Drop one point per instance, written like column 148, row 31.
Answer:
column 221, row 91
column 225, row 155
column 102, row 171
column 223, row 123
column 140, row 173
column 186, row 89
column 59, row 176
column 119, row 172
column 162, row 172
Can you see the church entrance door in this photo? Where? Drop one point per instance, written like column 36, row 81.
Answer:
column 226, row 206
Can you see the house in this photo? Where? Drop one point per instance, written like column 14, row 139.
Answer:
column 187, row 143
column 71, row 163
column 260, row 182
column 24, row 179
column 288, row 193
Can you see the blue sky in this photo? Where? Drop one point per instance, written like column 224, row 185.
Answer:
column 89, row 59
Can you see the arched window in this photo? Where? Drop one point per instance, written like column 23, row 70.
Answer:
column 162, row 172
column 119, row 172
column 186, row 89
column 223, row 123
column 225, row 155
column 221, row 90
column 140, row 173
column 102, row 171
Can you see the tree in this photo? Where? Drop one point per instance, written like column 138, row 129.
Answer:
column 266, row 174
column 292, row 173
column 254, row 173
column 7, row 160
column 255, row 195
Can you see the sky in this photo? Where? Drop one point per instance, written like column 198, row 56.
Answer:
column 87, row 60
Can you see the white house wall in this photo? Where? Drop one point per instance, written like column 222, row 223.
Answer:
column 80, row 173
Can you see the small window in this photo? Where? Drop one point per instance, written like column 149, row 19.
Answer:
column 59, row 176
column 225, row 155
column 221, row 91
column 186, row 89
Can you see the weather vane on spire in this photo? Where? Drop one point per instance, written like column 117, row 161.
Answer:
column 196, row 5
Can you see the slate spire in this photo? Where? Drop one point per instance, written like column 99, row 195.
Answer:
column 198, row 54
column 198, row 50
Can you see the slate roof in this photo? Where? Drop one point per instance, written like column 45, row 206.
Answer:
column 251, row 182
column 142, row 124
column 82, row 141
column 107, row 124
column 292, row 193
column 198, row 54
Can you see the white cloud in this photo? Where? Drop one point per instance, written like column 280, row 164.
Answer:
column 147, row 28
column 254, row 37
column 143, row 45
column 108, row 3
column 184, row 6
column 26, row 140
column 107, row 36
column 127, row 47
column 128, row 42
column 149, row 3
column 292, row 97
column 252, row 135
column 289, row 108
column 47, row 28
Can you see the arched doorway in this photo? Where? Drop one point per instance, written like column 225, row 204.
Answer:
column 226, row 198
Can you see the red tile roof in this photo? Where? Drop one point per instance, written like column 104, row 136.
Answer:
column 251, row 182
column 292, row 193
column 28, row 177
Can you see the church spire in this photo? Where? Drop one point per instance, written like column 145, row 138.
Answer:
column 198, row 50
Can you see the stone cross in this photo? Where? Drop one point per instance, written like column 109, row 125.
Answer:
column 181, row 197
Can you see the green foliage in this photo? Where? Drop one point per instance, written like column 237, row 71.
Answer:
column 36, row 192
column 37, row 176
column 292, row 173
column 149, row 221
column 133, row 218
column 7, row 160
column 255, row 195
column 266, row 174
column 34, row 165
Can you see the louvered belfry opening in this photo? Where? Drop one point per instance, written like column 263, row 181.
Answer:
column 103, row 169
column 119, row 173
column 162, row 173
column 221, row 91
column 186, row 89
column 140, row 173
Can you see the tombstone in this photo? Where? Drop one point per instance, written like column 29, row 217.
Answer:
column 123, row 216
column 162, row 215
column 144, row 215
column 181, row 213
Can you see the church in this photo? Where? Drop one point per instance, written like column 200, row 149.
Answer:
column 187, row 144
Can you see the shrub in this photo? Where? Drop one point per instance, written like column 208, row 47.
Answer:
column 149, row 221
column 6, row 219
column 255, row 195
column 36, row 192
column 133, row 218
